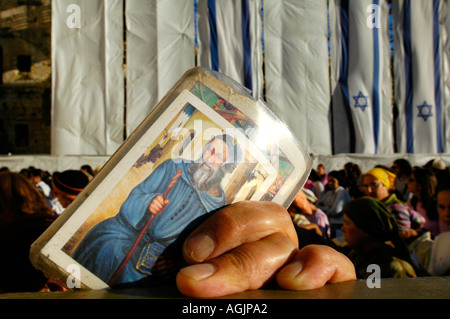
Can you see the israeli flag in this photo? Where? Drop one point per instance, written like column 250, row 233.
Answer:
column 419, row 63
column 360, row 77
column 229, row 40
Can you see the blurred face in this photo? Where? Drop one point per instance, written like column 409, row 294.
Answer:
column 443, row 206
column 396, row 169
column 373, row 187
column 36, row 179
column 320, row 170
column 333, row 183
column 413, row 185
column 354, row 236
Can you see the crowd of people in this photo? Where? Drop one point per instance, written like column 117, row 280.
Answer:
column 30, row 201
column 398, row 215
column 395, row 217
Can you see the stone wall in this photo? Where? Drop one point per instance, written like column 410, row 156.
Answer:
column 25, row 118
column 25, row 94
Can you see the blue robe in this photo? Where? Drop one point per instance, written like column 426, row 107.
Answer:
column 107, row 243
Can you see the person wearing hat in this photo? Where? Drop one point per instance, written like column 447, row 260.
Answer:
column 372, row 235
column 440, row 169
column 65, row 188
column 436, row 164
column 379, row 183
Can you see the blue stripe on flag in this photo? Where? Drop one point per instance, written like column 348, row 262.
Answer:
column 437, row 76
column 213, row 43
column 408, row 78
column 344, row 10
column 376, row 97
column 246, row 45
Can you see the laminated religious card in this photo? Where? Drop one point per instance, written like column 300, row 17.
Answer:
column 207, row 144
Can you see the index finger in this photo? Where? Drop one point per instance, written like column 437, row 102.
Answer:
column 234, row 225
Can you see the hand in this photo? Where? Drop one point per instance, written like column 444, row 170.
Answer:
column 312, row 226
column 405, row 234
column 302, row 203
column 248, row 244
column 158, row 204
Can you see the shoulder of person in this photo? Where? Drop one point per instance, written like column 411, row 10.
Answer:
column 443, row 238
column 402, row 269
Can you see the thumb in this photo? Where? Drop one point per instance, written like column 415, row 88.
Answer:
column 314, row 266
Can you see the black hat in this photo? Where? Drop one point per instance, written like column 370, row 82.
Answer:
column 70, row 182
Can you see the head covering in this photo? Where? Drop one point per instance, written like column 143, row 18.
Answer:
column 70, row 182
column 386, row 177
column 310, row 195
column 337, row 175
column 437, row 164
column 372, row 216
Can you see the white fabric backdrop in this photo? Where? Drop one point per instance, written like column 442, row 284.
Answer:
column 87, row 77
column 296, row 69
column 160, row 48
column 331, row 162
column 88, row 114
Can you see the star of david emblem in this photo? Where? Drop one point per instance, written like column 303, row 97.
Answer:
column 361, row 101
column 424, row 111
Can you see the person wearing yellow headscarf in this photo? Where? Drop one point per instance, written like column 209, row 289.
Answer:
column 384, row 176
column 379, row 183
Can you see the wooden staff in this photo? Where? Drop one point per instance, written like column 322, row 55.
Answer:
column 138, row 239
